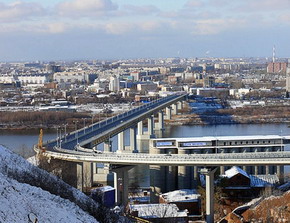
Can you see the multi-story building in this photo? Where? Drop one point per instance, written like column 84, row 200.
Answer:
column 74, row 77
column 114, row 84
column 24, row 78
column 277, row 67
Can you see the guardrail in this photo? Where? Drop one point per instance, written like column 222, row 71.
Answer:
column 250, row 159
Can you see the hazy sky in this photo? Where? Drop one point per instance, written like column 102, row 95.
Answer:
column 120, row 29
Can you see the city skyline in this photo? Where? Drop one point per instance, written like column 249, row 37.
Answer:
column 120, row 29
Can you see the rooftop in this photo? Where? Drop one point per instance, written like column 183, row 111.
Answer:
column 183, row 195
column 157, row 210
column 225, row 138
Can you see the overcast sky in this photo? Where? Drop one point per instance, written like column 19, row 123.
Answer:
column 120, row 29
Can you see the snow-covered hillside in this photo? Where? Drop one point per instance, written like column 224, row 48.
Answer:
column 29, row 192
column 19, row 202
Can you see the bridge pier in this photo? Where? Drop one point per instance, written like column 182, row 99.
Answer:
column 140, row 128
column 168, row 113
column 209, row 178
column 140, row 131
column 280, row 173
column 108, row 146
column 84, row 176
column 183, row 173
column 121, row 176
column 151, row 127
column 170, row 172
column 121, row 145
column 133, row 142
column 179, row 105
column 157, row 178
column 161, row 120
column 174, row 109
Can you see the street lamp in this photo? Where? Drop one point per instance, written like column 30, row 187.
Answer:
column 76, row 132
column 84, row 119
column 57, row 136
column 65, row 131
column 92, row 122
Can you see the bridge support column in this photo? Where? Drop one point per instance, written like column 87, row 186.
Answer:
column 121, row 146
column 256, row 170
column 121, row 193
column 151, row 127
column 107, row 146
column 168, row 113
column 80, row 176
column 170, row 174
column 161, row 120
column 222, row 168
column 280, row 173
column 133, row 142
column 157, row 178
column 209, row 177
column 183, row 173
column 84, row 176
column 245, row 167
column 195, row 177
column 140, row 128
column 179, row 105
column 267, row 172
column 194, row 174
column 174, row 109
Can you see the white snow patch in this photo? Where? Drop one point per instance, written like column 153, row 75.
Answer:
column 33, row 160
column 234, row 171
column 183, row 195
column 19, row 200
column 158, row 210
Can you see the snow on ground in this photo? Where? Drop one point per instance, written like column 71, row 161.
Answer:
column 18, row 200
column 33, row 160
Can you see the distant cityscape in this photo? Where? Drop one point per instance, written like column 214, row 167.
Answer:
column 43, row 82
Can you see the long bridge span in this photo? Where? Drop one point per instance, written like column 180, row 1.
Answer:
column 211, row 160
column 79, row 147
column 102, row 131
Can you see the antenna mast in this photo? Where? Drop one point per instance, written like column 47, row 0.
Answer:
column 274, row 51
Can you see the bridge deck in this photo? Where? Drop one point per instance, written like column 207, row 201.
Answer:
column 99, row 132
column 245, row 159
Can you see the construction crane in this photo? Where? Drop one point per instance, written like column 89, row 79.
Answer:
column 40, row 141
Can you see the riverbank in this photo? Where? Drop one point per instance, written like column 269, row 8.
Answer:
column 21, row 120
column 52, row 120
column 194, row 119
column 245, row 115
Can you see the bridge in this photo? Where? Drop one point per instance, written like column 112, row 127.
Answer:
column 102, row 131
column 78, row 147
column 206, row 160
column 210, row 161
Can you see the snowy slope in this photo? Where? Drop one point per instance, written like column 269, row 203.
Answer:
column 21, row 194
column 18, row 201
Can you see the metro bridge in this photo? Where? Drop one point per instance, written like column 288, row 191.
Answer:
column 210, row 161
column 104, row 130
column 78, row 147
